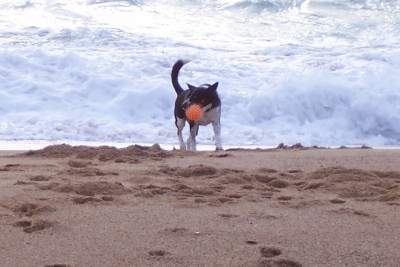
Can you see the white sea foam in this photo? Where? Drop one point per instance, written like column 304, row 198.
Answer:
column 317, row 72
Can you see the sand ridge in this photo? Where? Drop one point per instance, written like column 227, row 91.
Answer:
column 145, row 206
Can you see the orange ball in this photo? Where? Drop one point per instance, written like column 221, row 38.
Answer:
column 193, row 112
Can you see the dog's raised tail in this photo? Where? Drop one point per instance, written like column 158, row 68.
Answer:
column 174, row 75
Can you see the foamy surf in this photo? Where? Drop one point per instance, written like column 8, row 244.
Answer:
column 317, row 72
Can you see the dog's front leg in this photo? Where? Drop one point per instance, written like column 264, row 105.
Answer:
column 180, row 125
column 191, row 143
column 217, row 135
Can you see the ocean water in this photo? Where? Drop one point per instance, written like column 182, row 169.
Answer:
column 316, row 72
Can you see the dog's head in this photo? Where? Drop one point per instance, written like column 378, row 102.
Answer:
column 203, row 95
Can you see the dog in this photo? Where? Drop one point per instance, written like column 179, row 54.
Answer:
column 207, row 97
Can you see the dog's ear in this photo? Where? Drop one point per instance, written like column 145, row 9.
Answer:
column 214, row 86
column 191, row 87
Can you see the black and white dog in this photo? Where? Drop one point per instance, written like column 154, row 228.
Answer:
column 207, row 97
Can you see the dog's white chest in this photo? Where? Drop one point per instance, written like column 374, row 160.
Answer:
column 209, row 115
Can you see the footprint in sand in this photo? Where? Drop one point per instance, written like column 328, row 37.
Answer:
column 101, row 187
column 191, row 171
column 84, row 200
column 8, row 167
column 175, row 231
column 228, row 215
column 38, row 225
column 159, row 253
column 30, row 209
column 22, row 183
column 33, row 226
column 279, row 183
column 39, row 178
column 337, row 201
column 279, row 263
column 78, row 164
column 268, row 179
column 23, row 223
column 223, row 155
column 269, row 252
column 351, row 212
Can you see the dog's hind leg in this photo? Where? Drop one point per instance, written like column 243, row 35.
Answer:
column 180, row 124
column 217, row 135
column 191, row 142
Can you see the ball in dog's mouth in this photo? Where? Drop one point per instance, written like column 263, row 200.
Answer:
column 193, row 112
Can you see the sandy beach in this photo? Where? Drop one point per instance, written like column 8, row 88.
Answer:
column 144, row 206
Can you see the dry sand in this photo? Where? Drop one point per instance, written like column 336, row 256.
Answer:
column 143, row 206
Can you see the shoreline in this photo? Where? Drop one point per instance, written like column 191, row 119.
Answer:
column 24, row 145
